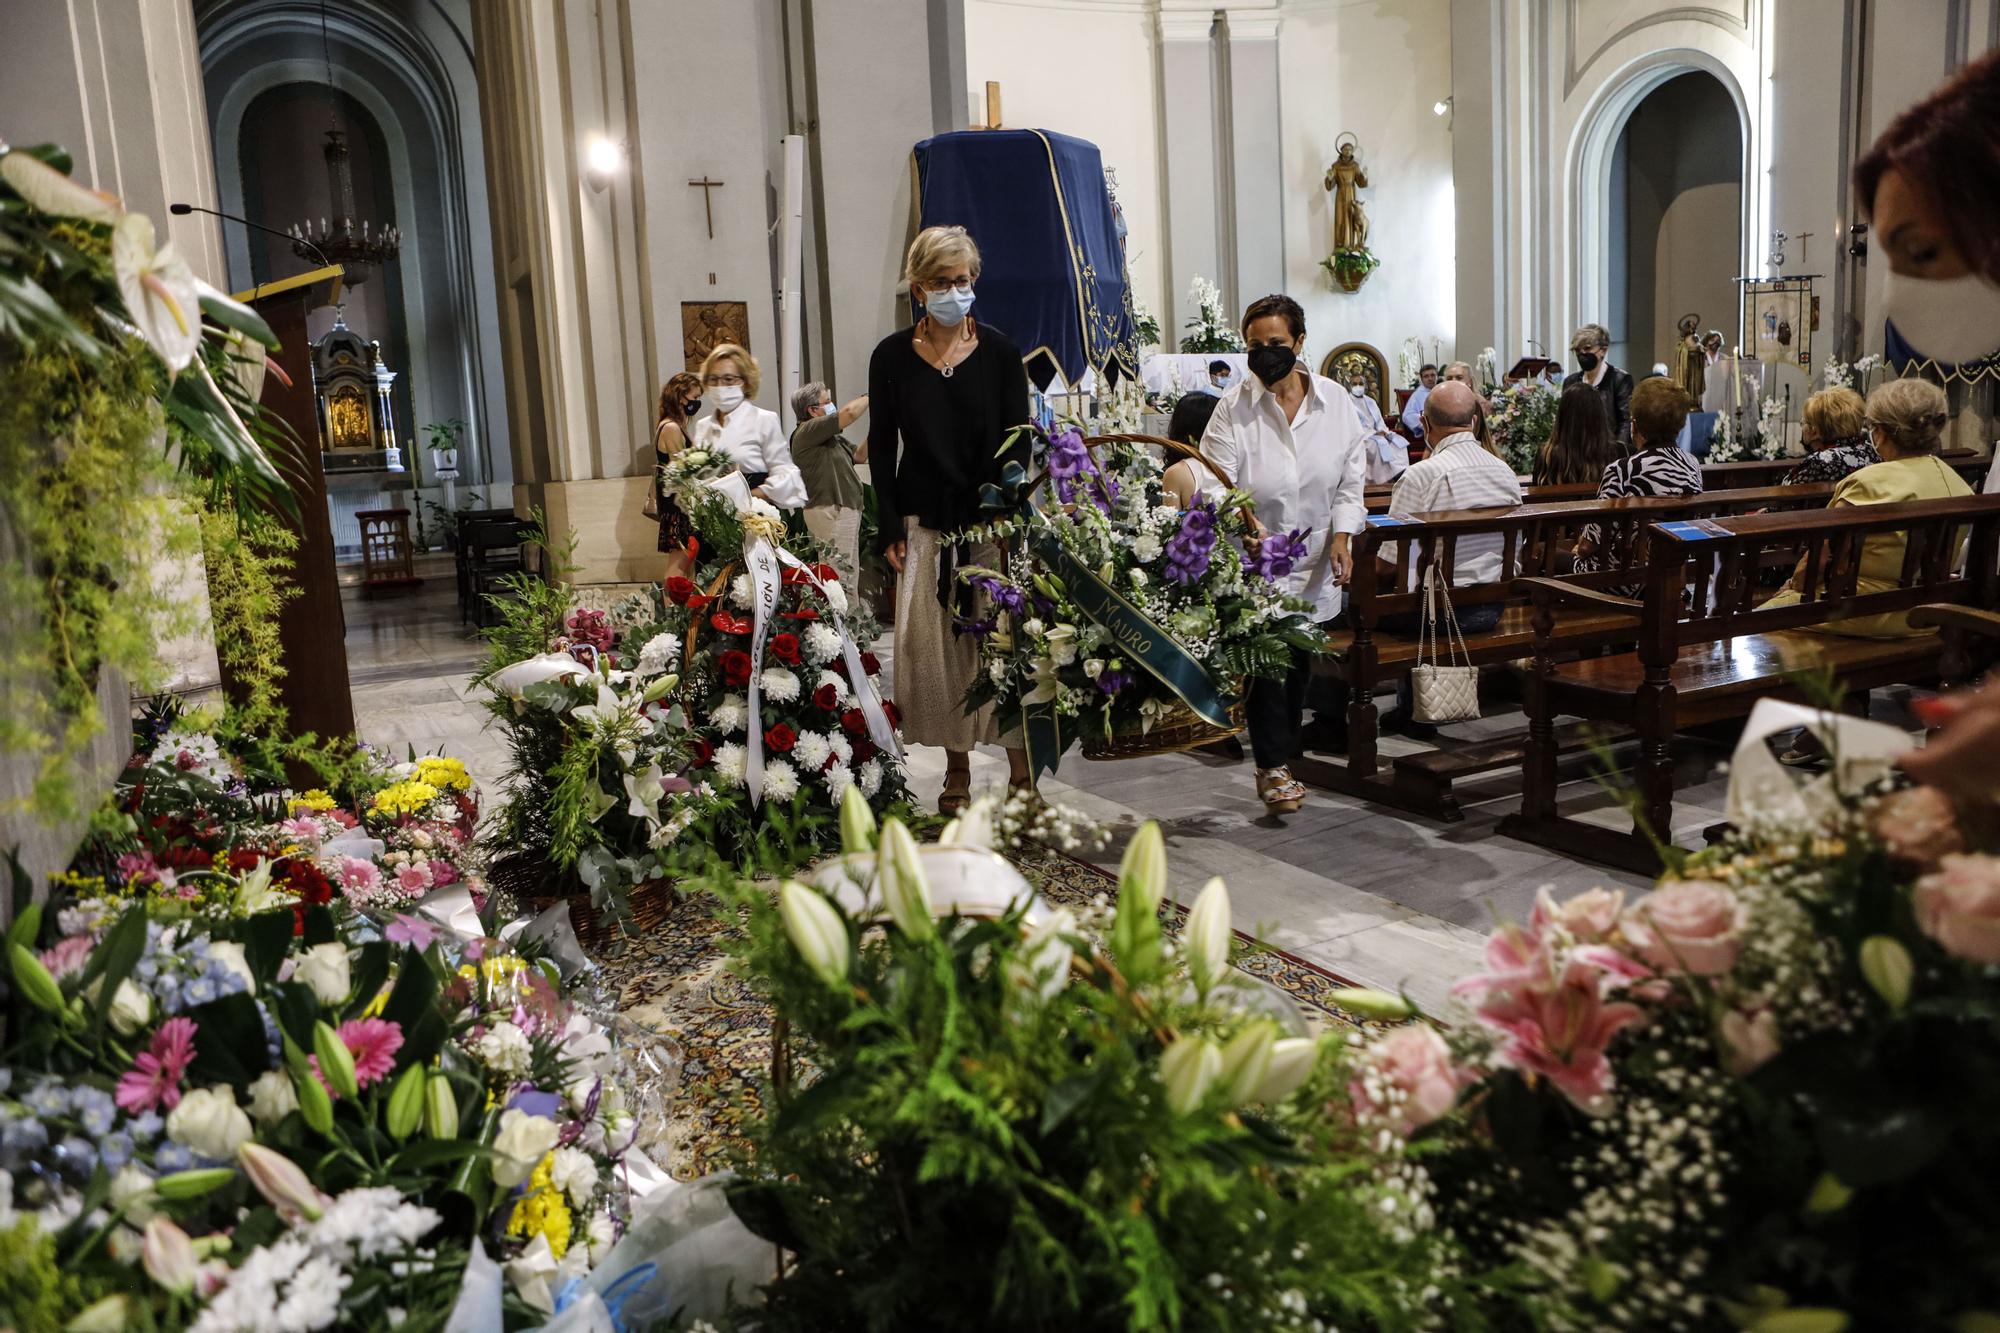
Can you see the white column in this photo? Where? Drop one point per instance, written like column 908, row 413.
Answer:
column 1193, row 194
column 1256, row 253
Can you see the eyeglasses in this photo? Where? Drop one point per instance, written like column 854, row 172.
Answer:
column 723, row 381
column 940, row 286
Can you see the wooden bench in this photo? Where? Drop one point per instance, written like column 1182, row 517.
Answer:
column 1773, row 471
column 1709, row 645
column 1376, row 498
column 1535, row 542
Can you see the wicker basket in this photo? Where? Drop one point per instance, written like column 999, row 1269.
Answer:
column 529, row 880
column 1179, row 727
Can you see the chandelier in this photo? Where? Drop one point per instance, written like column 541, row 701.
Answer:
column 358, row 246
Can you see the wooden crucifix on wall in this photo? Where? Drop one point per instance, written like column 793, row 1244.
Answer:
column 707, row 188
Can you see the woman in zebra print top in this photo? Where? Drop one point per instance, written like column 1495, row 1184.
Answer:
column 1657, row 466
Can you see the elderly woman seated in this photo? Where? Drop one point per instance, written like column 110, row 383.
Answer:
column 1834, row 431
column 1906, row 421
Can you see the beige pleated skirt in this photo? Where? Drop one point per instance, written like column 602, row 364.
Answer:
column 934, row 667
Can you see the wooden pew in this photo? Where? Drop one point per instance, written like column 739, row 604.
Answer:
column 1376, row 498
column 1535, row 543
column 1709, row 647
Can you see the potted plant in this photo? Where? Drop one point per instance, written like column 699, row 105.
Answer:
column 1350, row 267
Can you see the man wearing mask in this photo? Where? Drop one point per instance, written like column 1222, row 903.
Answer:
column 1388, row 453
column 1217, row 382
column 826, row 460
column 1413, row 411
column 1293, row 441
column 1591, row 343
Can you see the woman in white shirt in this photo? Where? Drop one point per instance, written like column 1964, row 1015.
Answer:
column 748, row 434
column 1293, row 440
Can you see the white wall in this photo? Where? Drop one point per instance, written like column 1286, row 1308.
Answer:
column 1086, row 70
column 1373, row 69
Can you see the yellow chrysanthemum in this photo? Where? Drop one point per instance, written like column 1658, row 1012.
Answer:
column 312, row 800
column 405, row 798
column 444, row 773
column 541, row 1210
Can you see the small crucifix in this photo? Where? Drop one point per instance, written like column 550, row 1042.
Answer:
column 707, row 188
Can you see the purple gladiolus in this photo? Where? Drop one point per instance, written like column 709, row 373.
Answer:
column 1189, row 548
column 1070, row 464
column 1111, row 682
column 1276, row 554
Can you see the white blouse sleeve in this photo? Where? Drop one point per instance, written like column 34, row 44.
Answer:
column 1219, row 444
column 783, row 484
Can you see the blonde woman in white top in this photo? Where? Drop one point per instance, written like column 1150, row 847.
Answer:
column 748, row 434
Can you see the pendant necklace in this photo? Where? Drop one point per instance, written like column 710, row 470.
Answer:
column 945, row 368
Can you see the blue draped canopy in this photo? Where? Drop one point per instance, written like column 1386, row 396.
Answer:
column 1052, row 273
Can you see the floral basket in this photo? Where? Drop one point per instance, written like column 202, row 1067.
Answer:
column 1119, row 619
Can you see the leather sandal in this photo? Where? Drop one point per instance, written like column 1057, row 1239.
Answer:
column 957, row 793
column 1279, row 790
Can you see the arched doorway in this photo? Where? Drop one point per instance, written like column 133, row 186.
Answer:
column 1674, row 219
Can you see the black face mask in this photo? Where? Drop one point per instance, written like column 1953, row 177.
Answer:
column 691, row 406
column 1272, row 362
column 1587, row 361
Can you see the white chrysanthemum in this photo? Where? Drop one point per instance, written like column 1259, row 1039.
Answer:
column 837, row 779
column 660, row 652
column 731, row 715
column 821, row 643
column 740, row 593
column 730, row 759
column 812, row 751
column 1146, row 548
column 366, row 1223
column 505, row 1048
column 575, row 1174
column 779, row 684
column 843, row 749
column 781, row 780
column 312, row 1299
column 870, row 777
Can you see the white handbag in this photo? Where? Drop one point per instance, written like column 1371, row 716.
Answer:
column 1442, row 693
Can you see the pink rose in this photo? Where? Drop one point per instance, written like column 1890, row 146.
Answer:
column 1589, row 916
column 1918, row 824
column 412, row 878
column 1688, row 925
column 1958, row 905
column 1749, row 1038
column 1407, row 1080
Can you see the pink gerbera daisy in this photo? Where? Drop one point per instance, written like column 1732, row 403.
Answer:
column 373, row 1043
column 359, row 876
column 154, row 1079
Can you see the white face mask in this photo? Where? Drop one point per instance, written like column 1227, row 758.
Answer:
column 949, row 307
column 728, row 397
column 1950, row 320
column 1358, row 390
column 829, row 409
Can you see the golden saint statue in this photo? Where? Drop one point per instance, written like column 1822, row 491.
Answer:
column 1350, row 224
column 1690, row 366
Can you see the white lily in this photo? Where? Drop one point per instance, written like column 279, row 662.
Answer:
column 1206, row 937
column 857, row 822
column 973, row 827
column 1291, row 1064
column 49, row 191
column 644, row 790
column 513, row 680
column 1043, row 964
column 1247, row 1059
column 602, row 712
column 906, row 891
column 816, row 930
column 1047, row 687
column 1188, row 1069
column 1142, row 873
column 159, row 290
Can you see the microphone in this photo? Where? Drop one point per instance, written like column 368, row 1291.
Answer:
column 182, row 210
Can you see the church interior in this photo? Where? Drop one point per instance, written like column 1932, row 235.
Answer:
column 1540, row 359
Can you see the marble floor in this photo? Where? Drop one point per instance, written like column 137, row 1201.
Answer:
column 1385, row 898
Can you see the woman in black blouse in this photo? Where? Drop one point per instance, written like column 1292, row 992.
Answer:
column 948, row 403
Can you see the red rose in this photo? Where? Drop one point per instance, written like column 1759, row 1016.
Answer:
column 704, row 750
column 785, row 647
column 679, row 590
column 780, row 739
column 864, row 749
column 736, row 667
column 853, row 723
column 827, row 696
column 871, row 663
column 894, row 713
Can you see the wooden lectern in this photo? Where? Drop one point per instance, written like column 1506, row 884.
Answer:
column 312, row 628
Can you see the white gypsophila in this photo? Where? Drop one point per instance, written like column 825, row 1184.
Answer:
column 839, row 683
column 811, row 751
column 837, row 779
column 730, row 759
column 870, row 777
column 1146, row 548
column 821, row 643
column 660, row 652
column 740, row 593
column 781, row 780
column 575, row 1174
column 731, row 715
column 780, row 685
column 505, row 1047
